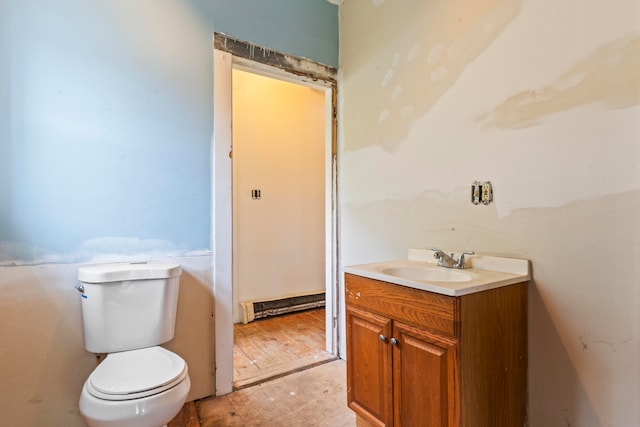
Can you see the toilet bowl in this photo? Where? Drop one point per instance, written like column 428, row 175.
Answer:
column 135, row 388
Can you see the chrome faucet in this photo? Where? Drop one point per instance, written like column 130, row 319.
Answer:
column 444, row 260
column 447, row 261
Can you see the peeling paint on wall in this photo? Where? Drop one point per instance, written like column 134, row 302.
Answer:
column 106, row 249
column 464, row 32
column 610, row 76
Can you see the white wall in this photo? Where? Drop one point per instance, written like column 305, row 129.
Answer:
column 278, row 148
column 43, row 362
column 542, row 99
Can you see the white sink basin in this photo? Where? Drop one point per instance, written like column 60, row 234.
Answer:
column 420, row 271
column 436, row 274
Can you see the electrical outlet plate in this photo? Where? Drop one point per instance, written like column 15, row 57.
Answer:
column 487, row 193
column 481, row 192
column 475, row 192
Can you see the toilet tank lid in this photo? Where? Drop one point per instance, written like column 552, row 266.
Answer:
column 117, row 272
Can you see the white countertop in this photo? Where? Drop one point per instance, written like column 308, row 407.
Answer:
column 483, row 273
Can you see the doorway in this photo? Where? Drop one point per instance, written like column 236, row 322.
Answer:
column 223, row 213
column 278, row 163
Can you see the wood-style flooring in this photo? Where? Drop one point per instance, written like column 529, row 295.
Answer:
column 275, row 346
column 309, row 398
column 284, row 373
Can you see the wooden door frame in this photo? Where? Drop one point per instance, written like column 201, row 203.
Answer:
column 228, row 53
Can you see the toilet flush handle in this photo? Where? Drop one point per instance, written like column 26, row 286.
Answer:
column 80, row 289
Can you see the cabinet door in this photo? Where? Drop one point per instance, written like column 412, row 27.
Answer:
column 424, row 377
column 369, row 385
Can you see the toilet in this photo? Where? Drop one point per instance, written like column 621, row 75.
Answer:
column 128, row 310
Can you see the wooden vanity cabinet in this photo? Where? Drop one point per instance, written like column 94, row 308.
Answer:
column 421, row 359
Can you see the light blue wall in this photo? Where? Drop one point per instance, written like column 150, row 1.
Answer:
column 307, row 28
column 106, row 118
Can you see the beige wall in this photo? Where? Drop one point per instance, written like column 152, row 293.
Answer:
column 43, row 363
column 279, row 148
column 542, row 99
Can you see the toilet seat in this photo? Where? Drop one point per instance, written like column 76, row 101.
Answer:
column 136, row 374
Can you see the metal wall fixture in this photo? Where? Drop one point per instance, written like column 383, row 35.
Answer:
column 481, row 192
column 255, row 194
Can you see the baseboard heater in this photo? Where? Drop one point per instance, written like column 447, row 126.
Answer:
column 252, row 310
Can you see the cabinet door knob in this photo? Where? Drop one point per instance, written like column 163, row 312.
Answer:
column 394, row 341
column 382, row 338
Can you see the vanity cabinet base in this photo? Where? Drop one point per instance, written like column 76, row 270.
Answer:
column 416, row 358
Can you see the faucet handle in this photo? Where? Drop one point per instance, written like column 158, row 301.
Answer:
column 462, row 263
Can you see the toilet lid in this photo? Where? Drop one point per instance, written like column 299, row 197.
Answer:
column 136, row 373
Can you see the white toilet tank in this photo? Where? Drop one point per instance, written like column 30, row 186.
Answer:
column 128, row 306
